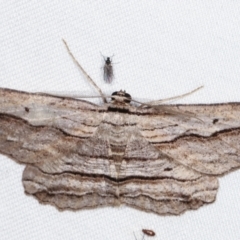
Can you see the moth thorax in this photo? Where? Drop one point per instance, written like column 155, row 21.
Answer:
column 121, row 96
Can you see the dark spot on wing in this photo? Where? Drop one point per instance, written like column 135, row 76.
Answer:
column 215, row 120
column 167, row 169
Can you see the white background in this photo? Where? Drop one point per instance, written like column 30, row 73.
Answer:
column 162, row 49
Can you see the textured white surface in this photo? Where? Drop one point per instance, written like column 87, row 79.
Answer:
column 162, row 49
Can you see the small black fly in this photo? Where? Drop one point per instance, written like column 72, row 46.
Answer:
column 108, row 70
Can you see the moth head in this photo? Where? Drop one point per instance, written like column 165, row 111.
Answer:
column 121, row 97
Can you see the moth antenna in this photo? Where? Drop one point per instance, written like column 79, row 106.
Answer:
column 159, row 102
column 84, row 72
column 165, row 109
column 76, row 96
column 106, row 96
column 173, row 98
column 70, row 95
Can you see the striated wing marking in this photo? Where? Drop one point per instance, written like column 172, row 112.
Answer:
column 207, row 155
column 90, row 155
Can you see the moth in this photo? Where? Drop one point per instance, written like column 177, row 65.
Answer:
column 164, row 159
column 148, row 232
column 108, row 70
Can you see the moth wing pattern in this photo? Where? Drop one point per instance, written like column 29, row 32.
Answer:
column 80, row 155
column 197, row 152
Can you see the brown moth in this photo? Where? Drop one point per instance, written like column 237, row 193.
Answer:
column 164, row 159
column 148, row 232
